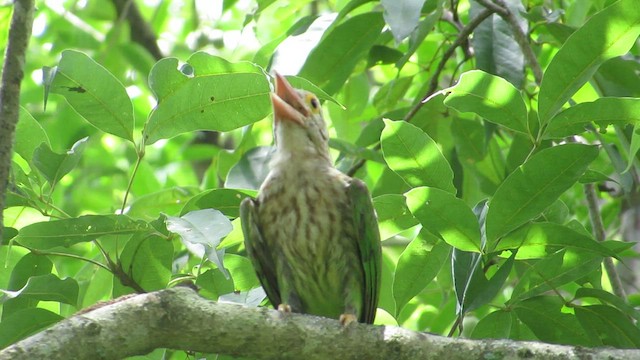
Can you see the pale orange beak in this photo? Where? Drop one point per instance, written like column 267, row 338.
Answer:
column 287, row 103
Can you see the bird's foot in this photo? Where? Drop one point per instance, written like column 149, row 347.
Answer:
column 284, row 309
column 346, row 319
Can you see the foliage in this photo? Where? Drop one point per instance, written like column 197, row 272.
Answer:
column 479, row 187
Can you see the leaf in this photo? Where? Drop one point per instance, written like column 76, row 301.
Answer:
column 24, row 323
column 418, row 265
column 332, row 61
column 251, row 170
column 413, row 155
column 494, row 45
column 147, row 259
column 55, row 166
column 446, row 216
column 609, row 326
column 170, row 201
column 393, row 215
column 534, row 186
column 94, row 93
column 607, row 34
column 544, row 317
column 28, row 266
column 218, row 96
column 201, row 232
column 603, row 111
column 537, row 240
column 47, row 288
column 496, row 325
column 610, row 298
column 402, row 16
column 29, row 135
column 491, row 97
column 420, row 33
column 555, row 270
column 226, row 201
column 67, row 232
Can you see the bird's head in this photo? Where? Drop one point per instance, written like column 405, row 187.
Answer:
column 298, row 124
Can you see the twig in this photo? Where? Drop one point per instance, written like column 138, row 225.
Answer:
column 500, row 8
column 140, row 30
column 12, row 75
column 599, row 233
column 433, row 84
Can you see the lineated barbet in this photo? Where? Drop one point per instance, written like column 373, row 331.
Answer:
column 312, row 234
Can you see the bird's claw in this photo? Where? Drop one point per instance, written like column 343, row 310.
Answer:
column 346, row 319
column 284, row 309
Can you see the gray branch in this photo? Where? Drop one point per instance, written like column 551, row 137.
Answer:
column 178, row 318
column 12, row 74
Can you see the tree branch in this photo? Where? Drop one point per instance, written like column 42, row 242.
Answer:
column 599, row 234
column 12, row 75
column 180, row 319
column 140, row 30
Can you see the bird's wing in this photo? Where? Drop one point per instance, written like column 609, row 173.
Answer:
column 258, row 250
column 369, row 245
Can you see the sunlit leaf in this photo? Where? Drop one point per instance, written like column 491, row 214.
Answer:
column 491, row 97
column 414, row 156
column 94, row 93
column 67, row 232
column 607, row 34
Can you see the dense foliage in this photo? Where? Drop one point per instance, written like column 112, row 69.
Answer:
column 507, row 200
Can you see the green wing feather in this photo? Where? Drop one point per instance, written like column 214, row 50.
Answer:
column 258, row 250
column 369, row 246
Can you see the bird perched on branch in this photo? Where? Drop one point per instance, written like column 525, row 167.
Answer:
column 312, row 234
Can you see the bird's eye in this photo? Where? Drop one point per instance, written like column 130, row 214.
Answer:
column 314, row 103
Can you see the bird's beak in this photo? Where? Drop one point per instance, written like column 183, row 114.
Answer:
column 287, row 104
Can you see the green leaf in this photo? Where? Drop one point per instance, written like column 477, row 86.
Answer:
column 413, row 155
column 147, row 259
column 393, row 215
column 544, row 317
column 402, row 16
column 226, row 201
column 535, row 185
column 491, row 97
column 218, row 96
column 555, row 270
column 607, row 34
column 418, row 265
column 55, row 166
column 608, row 326
column 446, row 216
column 168, row 201
column 538, row 239
column 251, row 170
column 28, row 266
column 242, row 272
column 494, row 46
column 24, row 323
column 332, row 61
column 603, row 111
column 67, row 232
column 47, row 288
column 201, row 232
column 94, row 93
column 610, row 298
column 29, row 135
column 496, row 325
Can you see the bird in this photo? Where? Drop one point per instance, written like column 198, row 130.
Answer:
column 312, row 233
